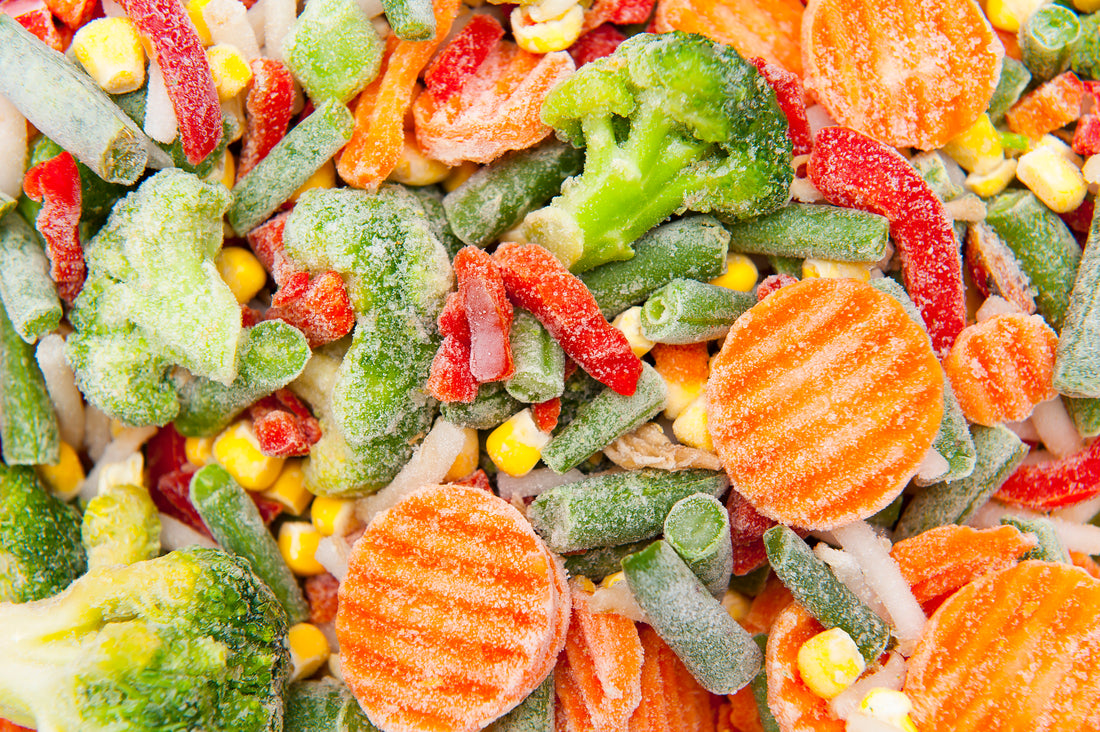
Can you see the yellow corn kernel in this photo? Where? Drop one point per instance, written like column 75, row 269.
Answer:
column 516, row 445
column 324, row 177
column 978, row 148
column 741, row 274
column 544, row 10
column 830, row 662
column 584, row 584
column 613, row 579
column 736, row 604
column 681, row 395
column 551, row 35
column 298, row 542
column 993, row 182
column 690, row 427
column 239, row 453
column 199, row 450
column 828, row 269
column 1087, row 6
column 1009, row 15
column 194, row 12
column 225, row 172
column 889, row 706
column 242, row 271
column 1056, row 181
column 466, row 462
column 289, row 489
column 459, row 175
column 629, row 323
column 64, row 478
column 309, row 650
column 331, row 515
column 230, row 69
column 110, row 51
column 414, row 168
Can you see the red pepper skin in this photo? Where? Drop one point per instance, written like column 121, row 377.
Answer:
column 266, row 242
column 771, row 283
column 268, row 103
column 790, row 95
column 595, row 44
column 477, row 479
column 538, row 282
column 459, row 61
column 322, row 593
column 855, row 171
column 41, row 24
column 283, row 425
column 1046, row 486
column 747, row 529
column 488, row 314
column 171, row 493
column 1080, row 218
column 1086, row 138
column 450, row 378
column 56, row 184
column 545, row 414
column 73, row 13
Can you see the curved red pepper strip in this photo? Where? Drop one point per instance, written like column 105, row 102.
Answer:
column 450, row 378
column 1046, row 486
column 462, row 57
column 595, row 44
column 488, row 314
column 790, row 95
column 268, row 103
column 73, row 13
column 56, row 184
column 855, row 171
column 41, row 24
column 545, row 414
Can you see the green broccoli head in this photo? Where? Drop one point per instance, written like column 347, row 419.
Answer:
column 121, row 526
column 189, row 641
column 670, row 123
column 40, row 549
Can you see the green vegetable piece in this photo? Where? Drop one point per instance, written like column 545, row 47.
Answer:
column 534, row 714
column 580, row 390
column 26, row 290
column 431, row 198
column 497, row 197
column 539, row 361
column 97, row 196
column 998, row 452
column 271, row 355
column 791, row 266
column 603, row 420
column 492, row 406
column 7, row 203
column 333, row 51
column 189, row 641
column 809, row 230
column 688, row 311
column 597, row 563
column 669, row 123
column 235, row 522
column 692, row 248
column 822, row 595
column 615, row 508
column 751, row 584
column 1043, row 245
column 717, row 651
column 760, row 691
column 1048, row 38
column 28, row 424
column 323, row 706
column 1010, row 141
column 1010, row 86
column 120, row 526
column 1050, row 548
column 40, row 549
column 1086, row 415
column 698, row 528
column 411, row 20
column 1085, row 59
column 934, row 172
column 1077, row 362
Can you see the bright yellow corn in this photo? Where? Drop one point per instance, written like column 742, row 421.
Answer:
column 194, row 12
column 741, row 274
column 681, row 394
column 978, row 148
column 1056, row 181
column 993, row 182
column 289, row 489
column 613, row 579
column 110, row 51
column 230, row 69
column 226, row 172
column 551, row 35
column 64, row 478
column 239, row 453
column 828, row 269
column 199, row 450
column 309, row 650
column 330, row 515
column 1087, row 6
column 1009, row 15
column 830, row 662
column 466, row 462
column 414, row 168
column 242, row 272
column 736, row 604
column 889, row 706
column 516, row 446
column 459, row 174
column 629, row 323
column 298, row 542
column 690, row 427
column 324, row 177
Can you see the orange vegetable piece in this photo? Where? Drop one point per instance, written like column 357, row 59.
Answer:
column 870, row 65
column 739, row 713
column 671, row 699
column 688, row 363
column 767, row 28
column 451, row 611
column 1014, row 650
column 766, row 606
column 1085, row 562
column 823, row 401
column 1050, row 107
column 795, row 707
column 1002, row 367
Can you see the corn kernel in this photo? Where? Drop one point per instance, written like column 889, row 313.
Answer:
column 889, row 706
column 242, row 271
column 830, row 662
column 736, row 604
column 613, row 579
column 1087, row 6
column 130, row 471
column 1059, row 146
column 64, row 478
column 1009, row 15
column 741, row 274
column 239, row 453
column 978, row 148
column 309, row 650
column 992, row 183
column 516, row 445
column 289, row 489
column 110, row 51
column 414, row 168
column 230, row 69
column 466, row 461
column 194, row 12
column 690, row 427
column 331, row 515
column 225, row 172
column 298, row 542
column 828, row 269
column 323, row 177
column 459, row 175
column 544, row 10
column 199, row 450
column 629, row 323
column 681, row 395
column 1056, row 181
column 551, row 35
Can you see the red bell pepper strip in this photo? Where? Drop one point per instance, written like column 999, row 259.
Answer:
column 621, row 12
column 1086, row 138
column 488, row 314
column 1080, row 218
column 266, row 241
column 269, row 105
column 477, row 479
column 596, row 43
column 171, row 495
column 790, row 95
column 41, row 24
column 855, row 171
column 56, row 184
column 1050, row 485
column 73, row 13
column 460, row 60
column 537, row 281
column 450, row 378
column 747, row 529
column 545, row 414
column 283, row 426
column 322, row 593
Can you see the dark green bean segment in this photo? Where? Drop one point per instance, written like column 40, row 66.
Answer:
column 1050, row 548
column 431, row 198
column 323, row 706
column 539, row 361
column 597, row 563
column 810, row 230
column 1086, row 415
column 698, row 528
column 28, row 293
column 616, row 508
column 534, row 714
column 760, row 691
column 825, row 597
column 28, row 424
column 934, row 172
column 1077, row 363
column 751, row 584
column 1085, row 60
column 688, row 311
column 1014, row 79
column 492, row 406
column 1047, row 39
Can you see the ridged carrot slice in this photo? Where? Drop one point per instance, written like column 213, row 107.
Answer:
column 823, row 401
column 1002, row 367
column 1015, row 650
column 672, row 700
column 448, row 612
column 795, row 707
column 869, row 65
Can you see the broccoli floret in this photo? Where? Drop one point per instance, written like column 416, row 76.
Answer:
column 189, row 641
column 670, row 123
column 121, row 526
column 40, row 549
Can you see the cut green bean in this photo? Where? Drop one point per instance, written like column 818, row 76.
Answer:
column 822, row 595
column 791, row 266
column 411, row 20
column 580, row 389
column 760, row 691
column 934, row 172
column 1086, row 415
column 1047, row 39
column 28, row 293
column 688, row 311
column 431, row 198
column 539, row 361
column 1050, row 548
column 534, row 714
column 810, row 230
column 751, row 584
column 617, row 508
column 1085, row 60
column 597, row 563
column 1077, row 362
column 28, row 423
column 717, row 651
column 492, row 406
column 323, row 706
column 1013, row 81
column 698, row 528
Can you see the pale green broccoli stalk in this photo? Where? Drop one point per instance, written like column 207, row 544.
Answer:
column 121, row 526
column 40, row 549
column 153, row 299
column 670, row 123
column 189, row 641
column 323, row 706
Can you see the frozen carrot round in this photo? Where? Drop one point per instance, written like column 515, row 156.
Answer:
column 671, row 698
column 870, row 64
column 823, row 401
column 1014, row 650
column 796, row 708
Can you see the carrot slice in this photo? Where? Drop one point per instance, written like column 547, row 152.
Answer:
column 671, row 699
column 823, row 401
column 765, row 607
column 795, row 707
column 868, row 64
column 1015, row 650
column 1050, row 107
column 740, row 713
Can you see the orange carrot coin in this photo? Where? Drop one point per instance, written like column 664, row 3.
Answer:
column 739, row 713
column 823, row 402
column 795, row 707
column 1002, row 367
column 1015, row 650
column 671, row 700
column 909, row 73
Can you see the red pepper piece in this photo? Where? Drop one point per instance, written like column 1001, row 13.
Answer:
column 1080, row 218
column 283, row 425
column 771, row 283
column 621, row 12
column 596, row 43
column 268, row 508
column 6, row 726
column 171, row 493
column 322, row 310
column 164, row 452
column 488, row 314
column 322, row 594
column 476, row 479
column 545, row 414
column 1086, row 138
column 73, row 13
column 249, row 316
column 1050, row 485
column 855, row 171
column 187, row 76
column 790, row 95
column 747, row 529
column 268, row 103
column 460, row 60
column 450, row 378
column 41, row 24
column 537, row 281
column 266, row 241
column 56, row 184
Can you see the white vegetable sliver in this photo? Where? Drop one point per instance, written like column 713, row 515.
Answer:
column 1024, row 430
column 228, row 23
column 617, row 599
column 1079, row 513
column 178, row 535
column 890, row 676
column 818, row 118
column 160, row 115
column 1056, row 428
column 278, row 19
column 1084, row 538
column 113, row 9
column 932, row 466
column 535, row 482
column 97, row 432
column 257, row 19
column 128, row 442
column 371, row 8
column 848, row 571
column 61, row 384
column 332, row 554
column 994, row 306
column 860, row 722
column 13, row 141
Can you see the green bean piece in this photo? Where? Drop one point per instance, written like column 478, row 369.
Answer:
column 1013, row 81
column 1085, row 59
column 615, row 508
column 760, row 690
column 28, row 424
column 604, row 419
column 822, row 595
column 411, row 20
column 751, row 584
column 601, row 561
column 809, row 230
column 1044, row 246
column 492, row 406
column 1086, row 415
column 717, row 651
column 887, row 517
column 323, row 706
column 1047, row 39
column 1077, row 361
column 497, row 197
column 791, row 266
column 688, row 311
column 1050, row 548
column 998, row 451
column 534, row 714
column 28, row 293
column 580, row 389
column 333, row 50
column 691, row 248
column 698, row 528
column 934, row 172
column 539, row 361
column 1011, row 141
column 431, row 198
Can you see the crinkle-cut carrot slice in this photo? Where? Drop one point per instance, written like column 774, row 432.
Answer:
column 739, row 713
column 795, row 707
column 1050, row 107
column 939, row 561
column 1085, row 562
column 1014, row 650
column 767, row 28
column 449, row 611
column 823, row 401
column 765, row 607
column 672, row 700
column 910, row 73
column 1002, row 367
